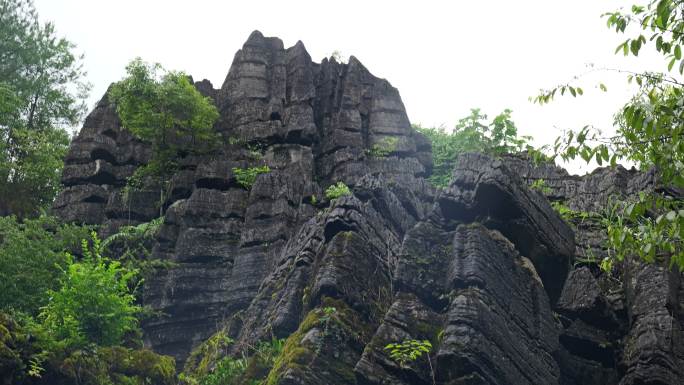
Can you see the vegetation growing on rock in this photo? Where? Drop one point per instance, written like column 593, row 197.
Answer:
column 246, row 176
column 165, row 109
column 472, row 134
column 337, row 190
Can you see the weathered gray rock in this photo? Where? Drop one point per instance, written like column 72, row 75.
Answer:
column 619, row 327
column 485, row 190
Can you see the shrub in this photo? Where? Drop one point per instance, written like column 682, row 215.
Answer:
column 132, row 245
column 541, row 186
column 31, row 253
column 94, row 303
column 383, row 148
column 337, row 190
column 472, row 134
column 408, row 351
column 15, row 350
column 118, row 366
column 211, row 364
column 246, row 176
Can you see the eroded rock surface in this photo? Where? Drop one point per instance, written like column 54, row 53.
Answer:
column 485, row 269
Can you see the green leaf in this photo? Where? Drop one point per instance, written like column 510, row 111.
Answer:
column 585, row 154
column 671, row 64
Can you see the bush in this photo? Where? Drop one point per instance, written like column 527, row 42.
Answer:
column 31, row 254
column 383, row 148
column 337, row 190
column 211, row 364
column 118, row 366
column 246, row 176
column 541, row 186
column 94, row 304
column 471, row 134
column 132, row 246
column 15, row 350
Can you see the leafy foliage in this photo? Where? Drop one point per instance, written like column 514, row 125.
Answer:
column 569, row 214
column 337, row 190
column 632, row 230
column 15, row 350
column 383, row 148
column 211, row 364
column 118, row 365
column 165, row 109
column 541, row 186
column 247, row 176
column 408, row 350
column 22, row 360
column 665, row 21
column 650, row 133
column 31, row 254
column 41, row 93
column 94, row 303
column 132, row 246
column 472, row 134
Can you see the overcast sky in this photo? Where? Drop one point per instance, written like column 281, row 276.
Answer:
column 445, row 57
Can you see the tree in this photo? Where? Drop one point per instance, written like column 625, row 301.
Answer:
column 165, row 109
column 42, row 92
column 649, row 132
column 472, row 134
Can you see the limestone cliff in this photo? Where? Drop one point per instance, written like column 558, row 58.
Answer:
column 485, row 268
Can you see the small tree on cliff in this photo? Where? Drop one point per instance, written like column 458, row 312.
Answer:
column 165, row 109
column 472, row 133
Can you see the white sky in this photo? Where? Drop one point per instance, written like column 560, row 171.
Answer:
column 444, row 56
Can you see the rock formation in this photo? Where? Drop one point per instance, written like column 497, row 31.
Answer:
column 485, row 269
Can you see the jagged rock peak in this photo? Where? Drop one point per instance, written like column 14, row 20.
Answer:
column 485, row 269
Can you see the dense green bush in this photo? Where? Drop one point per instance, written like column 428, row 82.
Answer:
column 472, row 134
column 247, row 176
column 94, row 303
column 383, row 148
column 132, row 246
column 211, row 364
column 31, row 254
column 15, row 350
column 337, row 190
column 118, row 366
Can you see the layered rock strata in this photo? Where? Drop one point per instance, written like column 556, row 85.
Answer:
column 484, row 269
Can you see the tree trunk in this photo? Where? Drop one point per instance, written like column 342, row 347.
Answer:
column 32, row 112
